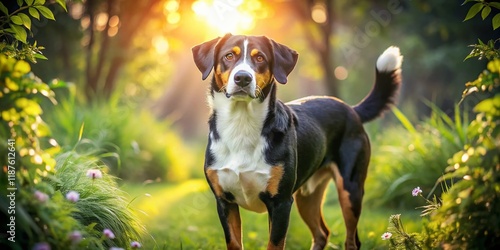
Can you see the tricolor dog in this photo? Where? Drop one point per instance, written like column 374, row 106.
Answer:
column 263, row 154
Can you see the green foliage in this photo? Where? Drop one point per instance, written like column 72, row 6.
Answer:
column 485, row 8
column 102, row 204
column 399, row 238
column 413, row 155
column 467, row 215
column 16, row 26
column 135, row 145
column 470, row 212
column 21, row 93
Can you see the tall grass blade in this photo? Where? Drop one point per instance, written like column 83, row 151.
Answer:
column 404, row 120
column 80, row 134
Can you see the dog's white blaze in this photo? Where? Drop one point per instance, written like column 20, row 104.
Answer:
column 239, row 152
column 245, row 66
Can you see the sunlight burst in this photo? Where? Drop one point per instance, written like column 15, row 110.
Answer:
column 226, row 15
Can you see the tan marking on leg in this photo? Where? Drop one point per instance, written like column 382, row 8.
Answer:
column 274, row 181
column 280, row 246
column 350, row 220
column 234, row 222
column 214, row 181
column 310, row 207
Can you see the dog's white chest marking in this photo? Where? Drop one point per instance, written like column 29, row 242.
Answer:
column 239, row 151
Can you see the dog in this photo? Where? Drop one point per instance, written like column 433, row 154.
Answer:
column 263, row 154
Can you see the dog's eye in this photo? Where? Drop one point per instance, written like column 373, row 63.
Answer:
column 259, row 58
column 229, row 56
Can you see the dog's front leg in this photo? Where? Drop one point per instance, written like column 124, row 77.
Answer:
column 229, row 215
column 279, row 216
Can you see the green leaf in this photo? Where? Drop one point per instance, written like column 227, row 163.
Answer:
column 62, row 3
column 473, row 11
column 489, row 105
column 26, row 20
column 29, row 2
column 39, row 2
column 4, row 9
column 495, row 4
column 466, row 1
column 45, row 12
column 16, row 20
column 486, row 11
column 20, row 3
column 40, row 56
column 34, row 13
column 19, row 32
column 496, row 21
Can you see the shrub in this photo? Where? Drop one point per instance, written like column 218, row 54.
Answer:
column 134, row 145
column 412, row 156
column 47, row 208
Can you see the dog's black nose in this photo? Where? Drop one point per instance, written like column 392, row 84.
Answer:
column 242, row 78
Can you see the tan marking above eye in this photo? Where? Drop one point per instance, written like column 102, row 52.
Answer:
column 236, row 50
column 254, row 52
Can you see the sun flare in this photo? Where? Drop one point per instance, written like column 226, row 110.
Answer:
column 235, row 16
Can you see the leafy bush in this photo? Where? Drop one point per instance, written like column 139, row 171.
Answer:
column 49, row 202
column 412, row 156
column 470, row 213
column 132, row 143
column 467, row 215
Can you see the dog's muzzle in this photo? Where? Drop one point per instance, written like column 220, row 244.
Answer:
column 242, row 86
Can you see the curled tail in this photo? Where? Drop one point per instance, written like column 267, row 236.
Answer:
column 384, row 91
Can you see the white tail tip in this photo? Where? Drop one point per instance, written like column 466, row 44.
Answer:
column 390, row 60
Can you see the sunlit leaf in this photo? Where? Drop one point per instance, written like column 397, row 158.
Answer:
column 40, row 56
column 4, row 9
column 33, row 108
column 34, row 13
column 19, row 32
column 22, row 67
column 11, row 84
column 16, row 20
column 489, row 105
column 496, row 21
column 26, row 20
column 45, row 12
column 62, row 3
column 486, row 11
column 29, row 2
column 20, row 3
column 473, row 11
column 39, row 2
column 42, row 130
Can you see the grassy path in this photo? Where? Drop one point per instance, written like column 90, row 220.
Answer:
column 183, row 216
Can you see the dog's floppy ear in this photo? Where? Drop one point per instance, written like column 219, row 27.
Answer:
column 204, row 55
column 284, row 61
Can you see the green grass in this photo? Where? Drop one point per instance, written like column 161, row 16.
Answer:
column 183, row 216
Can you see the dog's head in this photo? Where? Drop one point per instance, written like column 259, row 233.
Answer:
column 244, row 66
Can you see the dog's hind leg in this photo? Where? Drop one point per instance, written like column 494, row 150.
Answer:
column 350, row 174
column 309, row 201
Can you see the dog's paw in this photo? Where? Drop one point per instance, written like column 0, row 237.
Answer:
column 390, row 60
